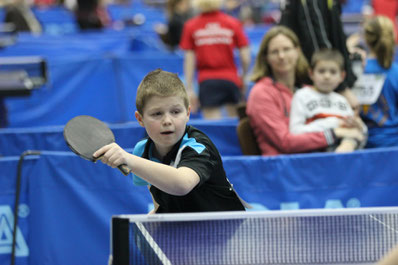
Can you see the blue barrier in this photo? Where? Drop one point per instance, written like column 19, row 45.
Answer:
column 67, row 202
column 14, row 141
column 94, row 73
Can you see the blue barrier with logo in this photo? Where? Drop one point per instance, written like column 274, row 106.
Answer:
column 67, row 202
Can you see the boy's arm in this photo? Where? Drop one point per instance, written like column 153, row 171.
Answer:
column 174, row 181
column 298, row 117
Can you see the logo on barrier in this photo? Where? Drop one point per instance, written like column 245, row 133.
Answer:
column 6, row 226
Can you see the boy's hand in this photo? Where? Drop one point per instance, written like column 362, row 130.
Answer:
column 352, row 122
column 349, row 133
column 346, row 145
column 112, row 155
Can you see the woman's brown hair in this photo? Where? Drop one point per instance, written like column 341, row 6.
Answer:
column 262, row 68
column 380, row 37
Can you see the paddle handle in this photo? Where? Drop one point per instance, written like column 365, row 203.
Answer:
column 124, row 169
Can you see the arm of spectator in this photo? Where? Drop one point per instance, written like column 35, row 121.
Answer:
column 346, row 145
column 244, row 56
column 189, row 70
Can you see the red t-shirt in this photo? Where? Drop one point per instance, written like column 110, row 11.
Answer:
column 213, row 37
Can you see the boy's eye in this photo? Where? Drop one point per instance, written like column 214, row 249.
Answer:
column 156, row 113
column 176, row 111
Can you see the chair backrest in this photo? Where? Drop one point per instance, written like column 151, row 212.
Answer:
column 247, row 139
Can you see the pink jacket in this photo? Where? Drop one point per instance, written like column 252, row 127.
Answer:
column 268, row 108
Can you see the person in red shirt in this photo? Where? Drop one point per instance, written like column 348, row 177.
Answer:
column 280, row 68
column 209, row 40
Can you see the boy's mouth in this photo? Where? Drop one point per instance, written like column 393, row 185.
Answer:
column 166, row 132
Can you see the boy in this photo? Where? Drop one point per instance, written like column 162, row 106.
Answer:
column 180, row 164
column 318, row 108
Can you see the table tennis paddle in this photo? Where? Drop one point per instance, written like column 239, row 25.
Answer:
column 85, row 134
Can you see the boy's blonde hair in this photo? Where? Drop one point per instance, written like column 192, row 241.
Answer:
column 327, row 54
column 380, row 37
column 263, row 69
column 207, row 5
column 162, row 84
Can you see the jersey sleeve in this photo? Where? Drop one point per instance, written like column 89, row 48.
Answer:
column 138, row 151
column 198, row 157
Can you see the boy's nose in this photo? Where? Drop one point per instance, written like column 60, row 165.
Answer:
column 166, row 119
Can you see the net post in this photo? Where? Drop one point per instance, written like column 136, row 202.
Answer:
column 120, row 241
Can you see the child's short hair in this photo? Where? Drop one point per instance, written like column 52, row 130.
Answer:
column 327, row 55
column 159, row 83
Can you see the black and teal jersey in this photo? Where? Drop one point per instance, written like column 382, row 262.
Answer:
column 196, row 151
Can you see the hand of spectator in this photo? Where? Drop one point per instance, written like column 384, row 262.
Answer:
column 353, row 133
column 347, row 145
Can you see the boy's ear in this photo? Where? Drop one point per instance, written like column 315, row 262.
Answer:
column 138, row 116
column 343, row 74
column 189, row 112
column 310, row 74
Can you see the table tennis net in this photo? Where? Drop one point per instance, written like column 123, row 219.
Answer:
column 360, row 236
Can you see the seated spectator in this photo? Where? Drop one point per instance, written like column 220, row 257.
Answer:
column 378, row 86
column 280, row 68
column 317, row 108
column 19, row 13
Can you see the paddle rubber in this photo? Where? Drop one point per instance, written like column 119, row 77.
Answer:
column 85, row 134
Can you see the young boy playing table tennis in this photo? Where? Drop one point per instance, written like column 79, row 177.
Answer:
column 180, row 164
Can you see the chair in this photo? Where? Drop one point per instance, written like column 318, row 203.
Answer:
column 247, row 139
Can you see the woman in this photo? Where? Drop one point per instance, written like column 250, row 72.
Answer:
column 280, row 67
column 381, row 115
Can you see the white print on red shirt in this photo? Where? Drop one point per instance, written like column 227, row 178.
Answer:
column 213, row 33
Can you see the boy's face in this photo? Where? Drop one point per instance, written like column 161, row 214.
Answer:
column 164, row 119
column 326, row 76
